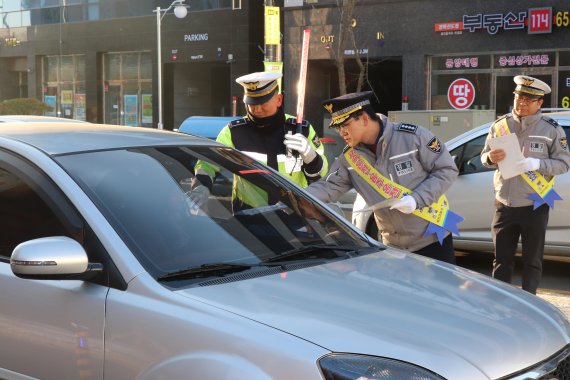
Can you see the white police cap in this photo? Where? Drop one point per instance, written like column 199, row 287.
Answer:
column 259, row 87
column 530, row 87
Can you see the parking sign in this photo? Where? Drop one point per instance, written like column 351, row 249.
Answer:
column 461, row 94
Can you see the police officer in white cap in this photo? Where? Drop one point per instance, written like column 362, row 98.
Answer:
column 265, row 135
column 522, row 202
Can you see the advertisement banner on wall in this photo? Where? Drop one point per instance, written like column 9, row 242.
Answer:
column 66, row 97
column 51, row 101
column 146, row 100
column 79, row 105
column 131, row 110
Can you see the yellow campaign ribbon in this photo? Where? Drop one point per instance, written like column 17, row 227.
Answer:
column 437, row 214
column 540, row 185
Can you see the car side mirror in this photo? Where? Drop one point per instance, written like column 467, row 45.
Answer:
column 52, row 258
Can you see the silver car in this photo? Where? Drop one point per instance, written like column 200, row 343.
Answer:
column 471, row 196
column 110, row 269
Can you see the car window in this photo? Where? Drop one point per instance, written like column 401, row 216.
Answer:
column 25, row 215
column 468, row 156
column 146, row 195
column 33, row 207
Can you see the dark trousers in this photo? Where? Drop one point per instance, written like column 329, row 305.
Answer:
column 509, row 224
column 443, row 252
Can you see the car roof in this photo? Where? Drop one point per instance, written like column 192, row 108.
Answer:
column 36, row 118
column 563, row 118
column 61, row 138
column 205, row 126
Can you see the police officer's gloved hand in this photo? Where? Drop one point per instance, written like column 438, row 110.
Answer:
column 407, row 204
column 198, row 197
column 300, row 143
column 528, row 164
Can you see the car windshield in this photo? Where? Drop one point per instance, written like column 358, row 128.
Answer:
column 146, row 195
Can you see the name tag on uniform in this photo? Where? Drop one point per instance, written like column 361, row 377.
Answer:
column 403, row 168
column 536, row 147
column 293, row 164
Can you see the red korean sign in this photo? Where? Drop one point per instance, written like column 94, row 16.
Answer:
column 461, row 94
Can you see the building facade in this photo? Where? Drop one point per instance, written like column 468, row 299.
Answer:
column 96, row 60
column 436, row 54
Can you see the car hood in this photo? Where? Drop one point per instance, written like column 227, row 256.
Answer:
column 401, row 306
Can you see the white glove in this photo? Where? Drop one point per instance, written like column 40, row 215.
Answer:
column 300, row 143
column 407, row 204
column 528, row 164
column 198, row 198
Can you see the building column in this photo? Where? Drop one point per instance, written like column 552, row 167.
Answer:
column 93, row 99
column 414, row 71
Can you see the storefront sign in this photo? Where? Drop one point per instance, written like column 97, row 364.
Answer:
column 525, row 60
column 457, row 63
column 539, row 20
column 535, row 20
column 461, row 94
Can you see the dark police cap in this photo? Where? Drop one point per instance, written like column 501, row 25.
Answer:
column 530, row 87
column 342, row 107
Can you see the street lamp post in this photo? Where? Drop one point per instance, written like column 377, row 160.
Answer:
column 180, row 11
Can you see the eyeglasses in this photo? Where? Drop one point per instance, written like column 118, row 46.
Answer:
column 525, row 100
column 344, row 126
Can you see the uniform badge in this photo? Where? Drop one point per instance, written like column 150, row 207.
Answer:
column 407, row 128
column 434, row 145
column 536, row 147
column 564, row 143
column 403, row 168
column 316, row 141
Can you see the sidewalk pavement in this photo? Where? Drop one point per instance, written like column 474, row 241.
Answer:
column 559, row 299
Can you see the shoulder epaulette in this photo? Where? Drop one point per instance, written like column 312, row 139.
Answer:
column 410, row 128
column 239, row 122
column 551, row 121
column 293, row 121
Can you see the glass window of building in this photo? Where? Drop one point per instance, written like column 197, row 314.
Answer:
column 461, row 82
column 63, row 82
column 128, row 88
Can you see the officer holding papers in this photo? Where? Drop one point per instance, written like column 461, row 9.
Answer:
column 524, row 185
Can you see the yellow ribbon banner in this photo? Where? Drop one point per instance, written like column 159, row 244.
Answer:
column 543, row 188
column 438, row 214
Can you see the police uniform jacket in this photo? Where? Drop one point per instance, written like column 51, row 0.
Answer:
column 409, row 155
column 539, row 137
column 266, row 145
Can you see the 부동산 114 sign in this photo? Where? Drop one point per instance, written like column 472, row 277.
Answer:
column 538, row 20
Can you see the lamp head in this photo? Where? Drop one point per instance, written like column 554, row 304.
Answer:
column 180, row 11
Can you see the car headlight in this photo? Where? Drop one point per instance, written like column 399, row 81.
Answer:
column 360, row 367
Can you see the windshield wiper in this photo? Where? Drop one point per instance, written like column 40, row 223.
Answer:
column 308, row 249
column 206, row 270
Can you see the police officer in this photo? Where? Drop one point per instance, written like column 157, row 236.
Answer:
column 387, row 160
column 520, row 209
column 270, row 136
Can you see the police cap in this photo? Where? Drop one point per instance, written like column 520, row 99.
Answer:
column 259, row 87
column 342, row 107
column 530, row 87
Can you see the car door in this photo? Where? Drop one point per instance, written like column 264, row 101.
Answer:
column 49, row 329
column 472, row 195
